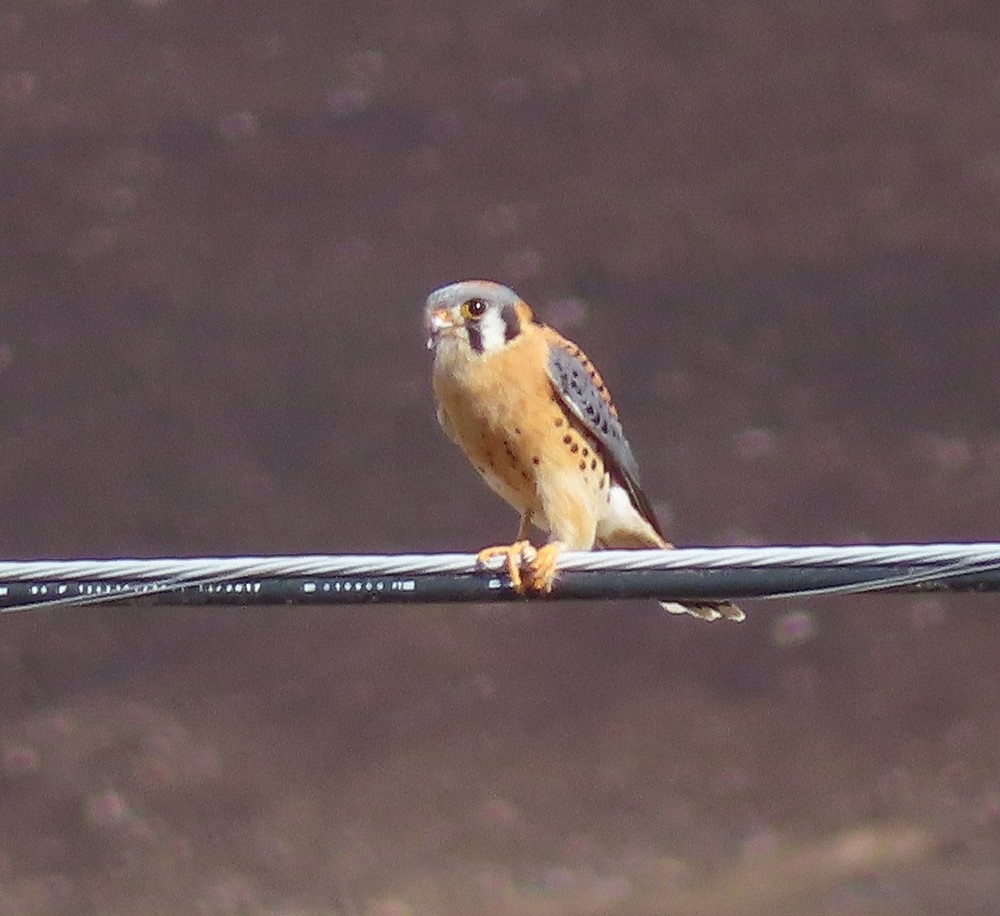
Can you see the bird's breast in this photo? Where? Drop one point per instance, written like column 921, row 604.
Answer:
column 505, row 415
column 485, row 408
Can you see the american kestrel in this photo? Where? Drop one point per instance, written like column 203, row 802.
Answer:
column 534, row 417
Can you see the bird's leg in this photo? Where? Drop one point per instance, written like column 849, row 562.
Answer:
column 514, row 555
column 543, row 566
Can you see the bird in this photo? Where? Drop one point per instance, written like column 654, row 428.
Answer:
column 535, row 419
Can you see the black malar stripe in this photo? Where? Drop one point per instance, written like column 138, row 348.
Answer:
column 475, row 335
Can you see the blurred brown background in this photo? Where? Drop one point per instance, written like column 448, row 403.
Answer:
column 774, row 226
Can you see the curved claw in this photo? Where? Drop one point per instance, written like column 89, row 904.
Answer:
column 514, row 555
column 543, row 566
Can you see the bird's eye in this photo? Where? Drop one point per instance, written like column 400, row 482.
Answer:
column 473, row 308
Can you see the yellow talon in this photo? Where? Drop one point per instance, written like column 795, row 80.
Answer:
column 543, row 566
column 514, row 554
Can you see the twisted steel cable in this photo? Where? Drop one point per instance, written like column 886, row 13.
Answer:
column 683, row 574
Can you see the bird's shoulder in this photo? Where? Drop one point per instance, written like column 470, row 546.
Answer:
column 554, row 339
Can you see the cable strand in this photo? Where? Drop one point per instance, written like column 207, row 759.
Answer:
column 682, row 574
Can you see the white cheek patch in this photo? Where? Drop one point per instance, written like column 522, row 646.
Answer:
column 492, row 331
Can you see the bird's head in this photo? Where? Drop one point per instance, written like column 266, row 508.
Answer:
column 474, row 318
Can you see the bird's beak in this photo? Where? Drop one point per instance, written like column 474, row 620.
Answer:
column 440, row 320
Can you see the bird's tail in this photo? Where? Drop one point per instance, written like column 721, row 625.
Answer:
column 706, row 610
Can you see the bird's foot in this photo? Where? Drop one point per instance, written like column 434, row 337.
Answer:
column 543, row 566
column 516, row 554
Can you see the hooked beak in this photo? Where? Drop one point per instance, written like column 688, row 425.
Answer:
column 440, row 321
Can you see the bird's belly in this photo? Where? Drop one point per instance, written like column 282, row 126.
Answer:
column 496, row 447
column 514, row 490
column 529, row 451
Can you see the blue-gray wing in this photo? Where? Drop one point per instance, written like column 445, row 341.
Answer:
column 574, row 382
column 582, row 391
